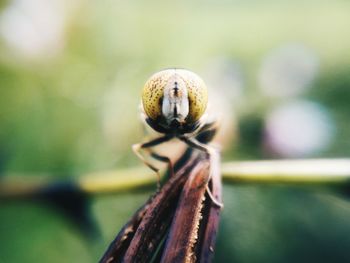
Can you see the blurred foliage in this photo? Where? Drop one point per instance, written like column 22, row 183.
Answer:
column 75, row 110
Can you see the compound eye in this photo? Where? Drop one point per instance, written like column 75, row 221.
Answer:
column 197, row 95
column 153, row 93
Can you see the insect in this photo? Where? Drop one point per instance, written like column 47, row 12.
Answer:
column 174, row 103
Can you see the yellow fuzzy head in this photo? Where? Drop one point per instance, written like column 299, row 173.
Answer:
column 175, row 89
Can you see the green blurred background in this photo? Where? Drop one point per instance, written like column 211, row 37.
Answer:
column 70, row 81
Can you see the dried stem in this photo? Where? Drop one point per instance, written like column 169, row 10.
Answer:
column 210, row 231
column 180, row 245
column 176, row 224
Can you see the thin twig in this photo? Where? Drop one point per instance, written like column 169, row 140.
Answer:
column 316, row 171
column 312, row 172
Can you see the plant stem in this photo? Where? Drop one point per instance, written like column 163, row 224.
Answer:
column 312, row 172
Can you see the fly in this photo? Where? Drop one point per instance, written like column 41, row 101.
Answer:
column 174, row 103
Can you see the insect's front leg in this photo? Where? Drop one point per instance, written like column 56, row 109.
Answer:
column 194, row 143
column 207, row 132
column 137, row 148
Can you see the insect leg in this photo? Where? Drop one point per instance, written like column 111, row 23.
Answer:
column 206, row 133
column 211, row 151
column 137, row 148
column 192, row 142
column 164, row 159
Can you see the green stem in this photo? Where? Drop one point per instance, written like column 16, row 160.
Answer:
column 312, row 172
